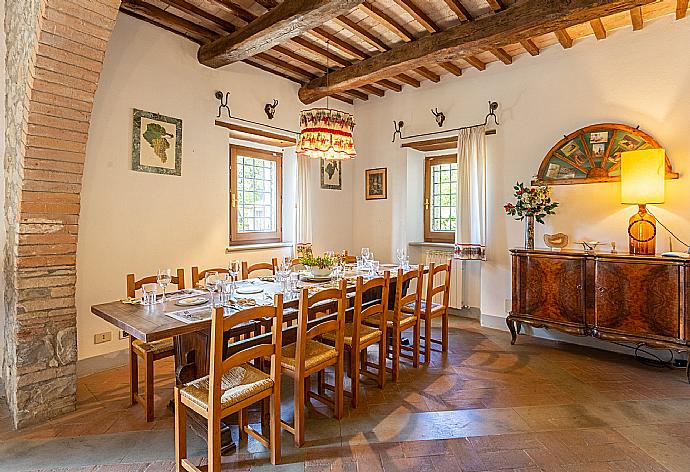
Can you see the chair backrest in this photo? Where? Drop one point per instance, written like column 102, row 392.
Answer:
column 316, row 307
column 248, row 269
column 378, row 308
column 133, row 285
column 403, row 298
column 348, row 258
column 220, row 324
column 199, row 276
column 436, row 272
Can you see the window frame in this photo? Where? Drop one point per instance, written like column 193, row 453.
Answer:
column 236, row 237
column 429, row 235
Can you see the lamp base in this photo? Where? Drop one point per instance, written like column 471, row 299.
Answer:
column 642, row 232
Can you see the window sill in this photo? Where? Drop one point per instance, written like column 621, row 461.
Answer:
column 450, row 246
column 255, row 247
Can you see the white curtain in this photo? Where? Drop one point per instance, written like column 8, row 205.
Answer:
column 470, row 235
column 304, row 234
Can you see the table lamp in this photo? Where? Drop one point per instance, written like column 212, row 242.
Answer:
column 642, row 182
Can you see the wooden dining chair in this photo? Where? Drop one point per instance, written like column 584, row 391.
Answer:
column 248, row 269
column 198, row 276
column 232, row 386
column 358, row 336
column 430, row 310
column 399, row 321
column 349, row 259
column 148, row 352
column 308, row 356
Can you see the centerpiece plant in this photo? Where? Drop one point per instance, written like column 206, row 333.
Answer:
column 531, row 203
column 319, row 266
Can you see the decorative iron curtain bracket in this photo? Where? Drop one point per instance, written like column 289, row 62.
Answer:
column 493, row 106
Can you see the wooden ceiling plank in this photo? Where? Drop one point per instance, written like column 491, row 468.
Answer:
column 357, row 94
column 502, row 55
column 287, row 20
column 360, row 32
column 598, row 28
column 293, row 55
column 341, row 44
column 419, row 15
column 530, row 47
column 268, row 4
column 476, row 63
column 236, row 10
column 564, row 38
column 184, row 34
column 375, row 90
column 459, row 9
column 193, row 10
column 522, row 20
column 427, row 74
column 284, row 65
column 315, row 48
column 452, row 68
column 636, row 18
column 264, row 68
column 681, row 9
column 390, row 85
column 163, row 17
column 386, row 21
column 406, row 79
column 496, row 5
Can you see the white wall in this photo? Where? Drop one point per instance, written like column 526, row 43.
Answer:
column 638, row 78
column 137, row 222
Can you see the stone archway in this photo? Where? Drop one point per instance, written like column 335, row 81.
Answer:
column 55, row 52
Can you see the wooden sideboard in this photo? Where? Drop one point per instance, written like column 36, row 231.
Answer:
column 615, row 297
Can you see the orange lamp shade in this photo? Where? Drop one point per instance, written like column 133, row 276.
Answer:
column 642, row 176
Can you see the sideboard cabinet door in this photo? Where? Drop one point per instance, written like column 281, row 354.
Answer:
column 637, row 299
column 553, row 288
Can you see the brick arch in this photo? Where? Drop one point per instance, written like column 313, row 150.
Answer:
column 55, row 52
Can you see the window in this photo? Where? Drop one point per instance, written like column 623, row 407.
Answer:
column 440, row 199
column 255, row 195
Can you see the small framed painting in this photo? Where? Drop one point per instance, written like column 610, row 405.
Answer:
column 331, row 174
column 376, row 183
column 156, row 143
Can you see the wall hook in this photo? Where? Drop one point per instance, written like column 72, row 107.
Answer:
column 440, row 117
column 398, row 129
column 223, row 103
column 493, row 106
column 270, row 109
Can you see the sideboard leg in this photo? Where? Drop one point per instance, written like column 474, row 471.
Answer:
column 513, row 332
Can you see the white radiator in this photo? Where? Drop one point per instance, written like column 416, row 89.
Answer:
column 438, row 257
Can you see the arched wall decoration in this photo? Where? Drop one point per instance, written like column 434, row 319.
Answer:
column 593, row 154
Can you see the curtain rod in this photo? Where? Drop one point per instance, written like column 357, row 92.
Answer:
column 493, row 106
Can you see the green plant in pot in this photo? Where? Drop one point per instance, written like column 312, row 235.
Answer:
column 319, row 266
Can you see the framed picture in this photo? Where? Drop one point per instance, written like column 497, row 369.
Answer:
column 376, row 184
column 156, row 143
column 331, row 174
column 599, row 137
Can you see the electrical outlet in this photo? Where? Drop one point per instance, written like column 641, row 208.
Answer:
column 123, row 335
column 101, row 338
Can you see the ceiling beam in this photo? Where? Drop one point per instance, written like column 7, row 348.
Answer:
column 564, row 38
column 293, row 55
column 598, row 28
column 315, row 48
column 181, row 33
column 522, row 20
column 496, row 5
column 636, row 18
column 530, row 47
column 360, row 32
column 681, row 9
column 459, row 9
column 341, row 44
column 375, row 90
column 343, row 99
column 476, row 63
column 284, row 65
column 419, row 15
column 502, row 55
column 160, row 16
column 287, row 20
column 390, row 85
column 264, row 68
column 357, row 94
column 268, row 4
column 386, row 21
column 452, row 68
column 406, row 79
column 193, row 10
column 427, row 74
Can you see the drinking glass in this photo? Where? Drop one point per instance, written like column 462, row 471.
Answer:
column 163, row 278
column 234, row 268
column 359, row 263
column 149, row 295
column 211, row 283
column 365, row 253
column 283, row 275
column 400, row 255
column 375, row 266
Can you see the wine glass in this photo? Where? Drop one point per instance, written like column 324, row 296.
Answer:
column 234, row 268
column 211, row 283
column 400, row 255
column 366, row 253
column 163, row 278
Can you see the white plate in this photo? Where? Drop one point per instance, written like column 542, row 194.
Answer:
column 192, row 301
column 308, row 278
column 249, row 290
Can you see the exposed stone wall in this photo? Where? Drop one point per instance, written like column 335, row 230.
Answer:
column 55, row 55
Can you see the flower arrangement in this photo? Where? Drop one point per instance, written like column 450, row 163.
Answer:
column 531, row 201
column 320, row 262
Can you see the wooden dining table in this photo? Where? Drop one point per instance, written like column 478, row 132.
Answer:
column 192, row 339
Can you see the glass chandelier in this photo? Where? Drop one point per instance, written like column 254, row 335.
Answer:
column 326, row 133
